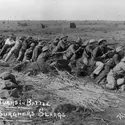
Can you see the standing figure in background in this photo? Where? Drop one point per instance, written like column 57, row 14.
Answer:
column 100, row 54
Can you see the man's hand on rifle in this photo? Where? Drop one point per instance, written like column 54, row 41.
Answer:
column 103, row 56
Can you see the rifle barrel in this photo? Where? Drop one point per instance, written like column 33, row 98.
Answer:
column 112, row 44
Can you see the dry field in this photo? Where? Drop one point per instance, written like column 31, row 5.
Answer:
column 82, row 101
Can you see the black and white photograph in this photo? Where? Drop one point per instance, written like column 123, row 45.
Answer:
column 62, row 62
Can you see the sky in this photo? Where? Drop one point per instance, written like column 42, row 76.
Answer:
column 62, row 9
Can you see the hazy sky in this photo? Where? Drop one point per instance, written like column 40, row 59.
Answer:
column 62, row 9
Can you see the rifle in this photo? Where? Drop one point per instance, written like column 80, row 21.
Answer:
column 57, row 53
column 108, row 44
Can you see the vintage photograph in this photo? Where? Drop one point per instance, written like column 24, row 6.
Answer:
column 62, row 62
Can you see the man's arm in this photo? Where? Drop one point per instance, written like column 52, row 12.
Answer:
column 123, row 66
column 94, row 54
column 116, row 59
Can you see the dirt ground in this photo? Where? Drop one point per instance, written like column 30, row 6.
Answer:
column 82, row 102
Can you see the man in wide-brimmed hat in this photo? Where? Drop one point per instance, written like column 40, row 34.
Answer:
column 71, row 51
column 99, row 57
column 54, row 43
column 115, row 58
column 84, row 61
column 44, row 55
column 61, row 46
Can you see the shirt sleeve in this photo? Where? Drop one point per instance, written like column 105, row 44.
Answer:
column 57, row 48
column 89, row 49
column 24, row 45
column 94, row 54
column 71, row 48
column 116, row 59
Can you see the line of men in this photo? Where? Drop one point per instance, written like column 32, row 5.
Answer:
column 94, row 58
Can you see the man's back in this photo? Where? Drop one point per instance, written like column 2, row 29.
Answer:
column 9, row 41
column 119, row 68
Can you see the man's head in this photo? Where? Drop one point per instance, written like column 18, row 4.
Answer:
column 32, row 45
column 40, row 43
column 102, row 42
column 30, row 38
column 118, row 49
column 85, row 43
column 12, row 37
column 64, row 38
column 56, row 40
column 92, row 43
column 22, row 38
column 78, row 41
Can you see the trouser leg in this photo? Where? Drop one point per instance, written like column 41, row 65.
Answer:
column 103, row 74
column 9, row 54
column 35, row 54
column 3, row 50
column 16, row 53
column 99, row 68
column 120, row 81
column 111, row 80
column 21, row 55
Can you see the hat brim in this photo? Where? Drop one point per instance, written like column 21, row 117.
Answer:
column 100, row 42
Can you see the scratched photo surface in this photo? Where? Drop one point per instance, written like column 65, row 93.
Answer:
column 62, row 62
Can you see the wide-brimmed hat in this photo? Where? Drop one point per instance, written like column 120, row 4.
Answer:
column 92, row 41
column 101, row 41
column 118, row 49
column 85, row 43
column 29, row 38
column 40, row 43
column 32, row 44
column 78, row 40
column 12, row 36
column 62, row 37
column 45, row 48
column 56, row 40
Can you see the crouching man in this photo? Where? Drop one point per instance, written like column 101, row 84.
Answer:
column 115, row 77
column 100, row 56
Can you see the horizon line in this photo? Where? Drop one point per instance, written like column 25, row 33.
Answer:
column 61, row 20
